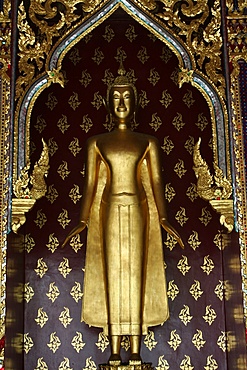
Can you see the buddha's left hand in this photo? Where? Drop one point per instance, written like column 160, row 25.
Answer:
column 170, row 230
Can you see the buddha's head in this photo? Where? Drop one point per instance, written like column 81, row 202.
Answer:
column 122, row 98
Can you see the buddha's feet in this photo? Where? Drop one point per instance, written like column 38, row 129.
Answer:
column 114, row 359
column 135, row 359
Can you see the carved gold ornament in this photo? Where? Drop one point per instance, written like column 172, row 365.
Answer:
column 27, row 343
column 77, row 342
column 53, row 292
column 41, row 318
column 28, row 189
column 103, row 342
column 198, row 340
column 195, row 290
column 175, row 340
column 28, row 292
column 54, row 342
column 90, row 364
column 186, row 363
column 162, row 364
column 65, row 365
column 125, row 342
column 150, row 341
column 211, row 363
column 65, row 317
column 41, row 364
column 210, row 315
column 215, row 189
column 185, row 315
column 172, row 290
column 76, row 292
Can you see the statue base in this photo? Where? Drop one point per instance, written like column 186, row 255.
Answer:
column 132, row 365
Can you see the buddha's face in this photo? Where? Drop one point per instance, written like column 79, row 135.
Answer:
column 122, row 103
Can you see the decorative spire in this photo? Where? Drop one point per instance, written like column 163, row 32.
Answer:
column 121, row 79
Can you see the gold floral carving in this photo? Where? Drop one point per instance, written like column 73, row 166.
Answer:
column 125, row 342
column 172, row 290
column 169, row 192
column 183, row 265
column 170, row 242
column 77, row 342
column 154, row 77
column 75, row 243
column 156, row 122
column 142, row 55
column 193, row 240
column 54, row 342
column 219, row 290
column 65, row 317
column 64, row 268
column 63, row 218
column 178, row 121
column 29, row 243
column 42, row 317
column 216, row 190
column 74, row 101
column 188, row 99
column 210, row 315
column 191, row 192
column 53, row 243
column 86, row 123
column 162, row 364
column 65, row 365
column 28, row 189
column 179, row 168
column 130, row 33
column 143, row 100
column 211, row 363
column 28, row 292
column 41, row 364
column 109, row 33
column 41, row 268
column 175, row 340
column 62, row 123
column 150, row 341
column 90, row 364
column 167, row 145
column 198, row 340
column 195, row 290
column 208, row 265
column 103, row 342
column 27, row 343
column 76, row 292
column 181, row 216
column 186, row 363
column 185, row 315
column 53, row 292
column 222, row 341
column 166, row 98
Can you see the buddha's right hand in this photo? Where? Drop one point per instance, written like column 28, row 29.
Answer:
column 79, row 228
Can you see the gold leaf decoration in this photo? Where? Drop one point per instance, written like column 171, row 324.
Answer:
column 172, row 290
column 191, row 192
column 40, row 124
column 142, row 55
column 185, row 315
column 74, row 101
column 186, row 364
column 75, row 243
column 74, row 194
column 65, row 317
column 208, row 265
column 52, row 194
column 198, row 340
column 74, row 147
column 108, row 77
column 190, row 144
column 109, row 33
column 170, row 241
column 64, row 268
column 188, row 99
column 156, row 122
column 174, row 76
column 150, row 341
column 211, row 363
column 166, row 98
column 121, row 55
column 28, row 292
column 125, row 342
column 175, row 340
column 193, row 240
column 143, row 100
column 166, row 54
column 41, row 365
column 195, row 290
column 178, row 121
column 181, row 216
column 86, row 123
column 62, row 123
column 51, row 101
column 54, row 343
column 98, row 56
column 222, row 341
column 205, row 217
column 167, row 145
column 103, row 342
column 85, row 78
column 169, row 192
column 97, row 100
column 41, row 268
column 183, row 265
column 210, row 315
column 53, row 243
column 130, row 33
column 76, row 292
column 52, row 145
column 63, row 218
column 53, row 292
column 131, row 76
column 27, row 343
column 41, row 219
column 77, row 342
column 29, row 243
column 42, row 317
column 63, row 170
column 162, row 364
column 179, row 168
column 74, row 56
column 219, row 241
column 219, row 290
column 202, row 122
column 90, row 364
column 65, row 365
column 153, row 77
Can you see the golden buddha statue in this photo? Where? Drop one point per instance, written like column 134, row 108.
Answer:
column 123, row 204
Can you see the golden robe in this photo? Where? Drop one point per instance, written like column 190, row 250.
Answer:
column 96, row 310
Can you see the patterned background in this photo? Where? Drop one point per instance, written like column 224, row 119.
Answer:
column 195, row 335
